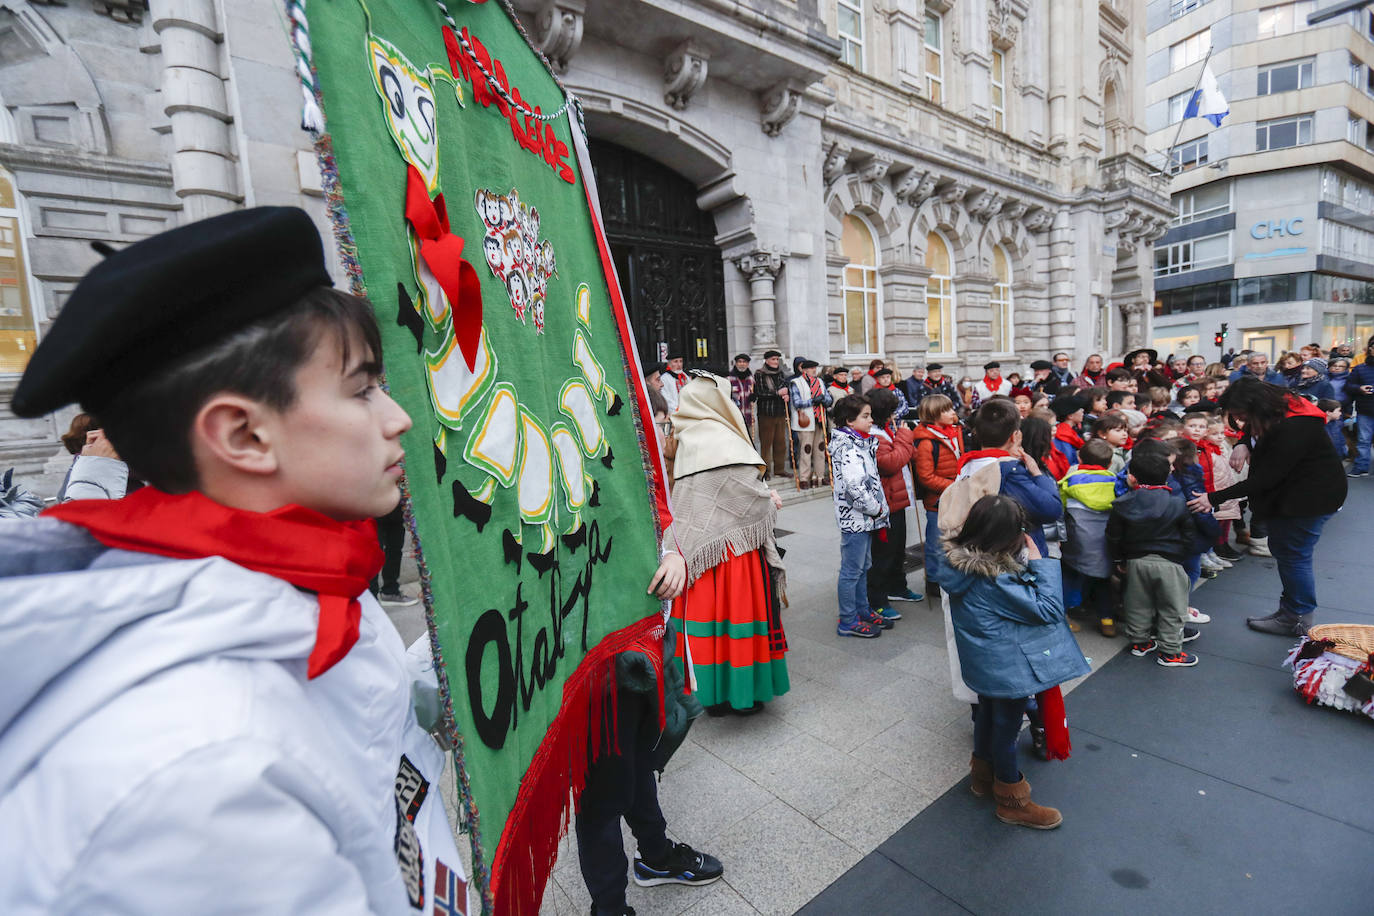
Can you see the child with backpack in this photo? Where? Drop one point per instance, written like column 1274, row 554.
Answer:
column 937, row 443
column 1088, row 491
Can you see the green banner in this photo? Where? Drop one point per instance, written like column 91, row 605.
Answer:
column 463, row 206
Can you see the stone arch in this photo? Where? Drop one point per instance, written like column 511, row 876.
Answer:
column 873, row 199
column 50, row 92
column 1017, row 242
column 959, row 230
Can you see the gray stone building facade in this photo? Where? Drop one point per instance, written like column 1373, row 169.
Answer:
column 841, row 179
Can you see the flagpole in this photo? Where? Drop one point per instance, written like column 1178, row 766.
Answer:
column 1169, row 153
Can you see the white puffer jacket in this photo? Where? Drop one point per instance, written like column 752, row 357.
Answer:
column 859, row 501
column 162, row 751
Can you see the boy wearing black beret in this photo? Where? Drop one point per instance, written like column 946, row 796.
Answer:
column 204, row 706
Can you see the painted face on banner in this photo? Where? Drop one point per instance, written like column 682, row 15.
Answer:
column 408, row 99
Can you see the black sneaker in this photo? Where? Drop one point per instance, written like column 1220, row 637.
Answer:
column 1354, row 474
column 1190, row 634
column 1179, row 659
column 1227, row 552
column 682, row 865
column 1142, row 649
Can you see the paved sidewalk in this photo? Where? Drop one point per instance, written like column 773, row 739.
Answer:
column 1213, row 789
column 791, row 798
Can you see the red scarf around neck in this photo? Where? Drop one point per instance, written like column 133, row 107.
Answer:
column 1207, row 448
column 983, row 453
column 336, row 560
column 1065, row 432
column 992, row 383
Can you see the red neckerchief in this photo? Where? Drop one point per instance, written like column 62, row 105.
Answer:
column 817, row 400
column 336, row 560
column 1301, row 407
column 680, row 378
column 1093, row 377
column 952, row 436
column 1207, row 447
column 845, row 388
column 1152, row 486
column 442, row 252
column 932, row 383
column 983, row 453
column 1091, row 467
column 1057, row 463
column 1065, row 432
column 991, row 383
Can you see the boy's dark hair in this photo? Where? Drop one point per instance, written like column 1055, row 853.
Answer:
column 1096, row 451
column 1036, row 439
column 884, row 404
column 848, row 408
column 1151, row 468
column 1186, row 450
column 1112, row 419
column 995, row 422
column 1159, row 396
column 149, row 423
column 1089, row 395
column 1328, row 404
column 1119, row 374
column 1159, row 425
column 995, row 524
column 1115, row 398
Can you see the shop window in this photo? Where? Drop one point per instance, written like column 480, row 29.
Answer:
column 860, row 288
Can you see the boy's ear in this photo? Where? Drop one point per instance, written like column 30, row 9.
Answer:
column 230, row 430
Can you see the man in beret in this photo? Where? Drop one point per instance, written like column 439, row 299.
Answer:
column 992, row 382
column 807, row 404
column 770, row 396
column 938, row 383
column 204, row 707
column 1043, row 379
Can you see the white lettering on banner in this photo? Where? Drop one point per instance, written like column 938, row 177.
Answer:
column 1276, row 228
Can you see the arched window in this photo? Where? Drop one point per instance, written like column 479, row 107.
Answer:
column 860, row 289
column 939, row 295
column 1002, row 329
column 18, row 335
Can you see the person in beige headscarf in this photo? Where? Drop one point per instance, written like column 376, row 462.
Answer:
column 723, row 517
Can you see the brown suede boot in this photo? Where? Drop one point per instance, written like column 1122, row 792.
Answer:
column 982, row 776
column 1014, row 806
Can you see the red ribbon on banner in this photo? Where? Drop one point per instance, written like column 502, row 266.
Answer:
column 442, row 252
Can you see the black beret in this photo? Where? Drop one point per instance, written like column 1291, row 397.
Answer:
column 660, row 368
column 933, row 367
column 1200, row 407
column 160, row 299
column 1042, row 364
column 1065, row 405
column 769, row 354
column 992, row 365
column 742, row 356
column 882, row 370
column 809, row 364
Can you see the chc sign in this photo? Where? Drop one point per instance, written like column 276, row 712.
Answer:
column 1276, row 229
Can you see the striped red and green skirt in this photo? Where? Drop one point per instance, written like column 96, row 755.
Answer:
column 732, row 619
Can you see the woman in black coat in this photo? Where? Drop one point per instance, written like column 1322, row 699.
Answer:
column 1296, row 483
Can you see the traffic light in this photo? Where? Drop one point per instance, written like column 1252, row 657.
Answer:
column 1216, row 338
column 1224, row 334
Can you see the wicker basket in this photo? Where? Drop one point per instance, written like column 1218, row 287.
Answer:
column 1353, row 641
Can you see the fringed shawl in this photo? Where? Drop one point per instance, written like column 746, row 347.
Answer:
column 724, row 510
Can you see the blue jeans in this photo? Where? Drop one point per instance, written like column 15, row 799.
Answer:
column 1292, row 541
column 931, row 548
column 1335, row 431
column 1364, row 425
column 996, row 724
column 856, row 556
column 1192, row 565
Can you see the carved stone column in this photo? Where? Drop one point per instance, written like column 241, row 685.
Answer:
column 761, row 268
column 1135, row 325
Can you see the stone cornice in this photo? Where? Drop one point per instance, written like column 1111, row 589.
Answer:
column 27, row 158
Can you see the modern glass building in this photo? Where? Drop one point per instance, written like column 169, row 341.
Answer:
column 1273, row 224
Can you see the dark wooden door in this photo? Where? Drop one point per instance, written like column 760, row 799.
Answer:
column 664, row 250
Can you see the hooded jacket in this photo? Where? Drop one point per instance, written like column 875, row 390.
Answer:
column 163, row 750
column 859, row 501
column 1009, row 623
column 1088, row 494
column 893, row 458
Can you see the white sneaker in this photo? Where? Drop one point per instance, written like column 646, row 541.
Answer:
column 1259, row 547
column 1196, row 616
column 1207, row 563
column 1217, row 559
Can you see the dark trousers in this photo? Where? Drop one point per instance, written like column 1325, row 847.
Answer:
column 773, row 436
column 1097, row 596
column 621, row 785
column 391, row 536
column 996, row 724
column 887, row 575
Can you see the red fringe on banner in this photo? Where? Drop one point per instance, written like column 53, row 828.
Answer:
column 577, row 735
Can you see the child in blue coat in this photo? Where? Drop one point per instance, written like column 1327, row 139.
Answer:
column 1013, row 642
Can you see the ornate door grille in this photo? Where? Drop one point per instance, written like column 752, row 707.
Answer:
column 664, row 250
